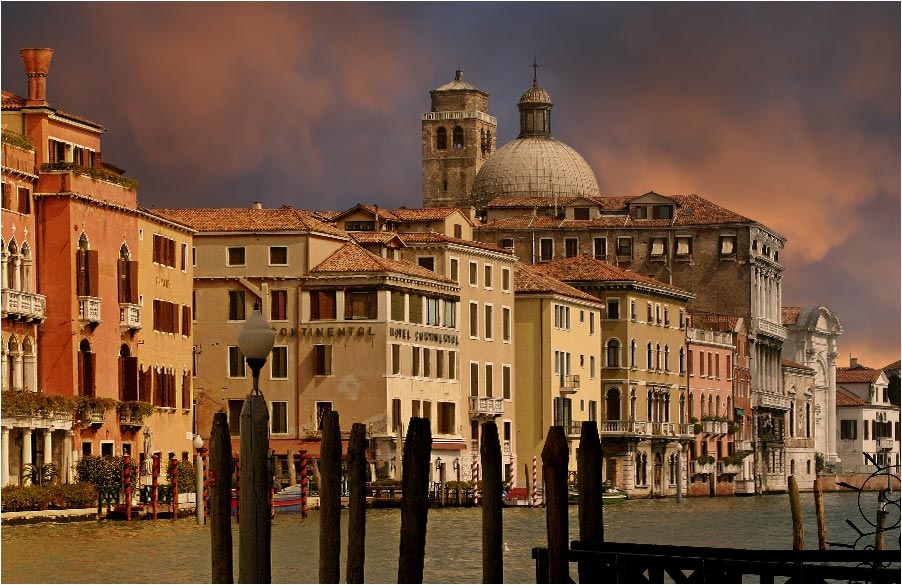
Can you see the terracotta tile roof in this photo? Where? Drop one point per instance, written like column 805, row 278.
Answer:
column 714, row 322
column 529, row 280
column 524, row 222
column 351, row 258
column 424, row 214
column 430, row 237
column 792, row 364
column 857, row 375
column 846, row 398
column 586, row 268
column 375, row 237
column 323, row 215
column 530, row 202
column 243, row 219
column 890, row 367
column 384, row 214
column 791, row 315
column 11, row 101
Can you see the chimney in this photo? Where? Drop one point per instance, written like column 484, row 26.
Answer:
column 257, row 205
column 853, row 362
column 37, row 64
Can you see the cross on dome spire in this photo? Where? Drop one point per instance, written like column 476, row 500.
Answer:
column 535, row 70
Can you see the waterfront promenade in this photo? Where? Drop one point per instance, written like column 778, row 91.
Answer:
column 166, row 551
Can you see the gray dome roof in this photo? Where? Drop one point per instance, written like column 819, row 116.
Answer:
column 535, row 166
column 535, row 95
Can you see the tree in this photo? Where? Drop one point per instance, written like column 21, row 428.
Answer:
column 893, row 389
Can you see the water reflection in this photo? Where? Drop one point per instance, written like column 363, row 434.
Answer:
column 167, row 552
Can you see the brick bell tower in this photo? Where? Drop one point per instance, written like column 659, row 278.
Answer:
column 458, row 136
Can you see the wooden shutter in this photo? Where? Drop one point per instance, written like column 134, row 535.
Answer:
column 121, row 364
column 81, row 269
column 186, row 320
column 93, row 273
column 81, row 373
column 132, row 280
column 130, row 378
column 186, row 390
column 90, row 369
column 122, row 273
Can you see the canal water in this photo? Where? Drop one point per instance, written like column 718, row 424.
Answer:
column 179, row 552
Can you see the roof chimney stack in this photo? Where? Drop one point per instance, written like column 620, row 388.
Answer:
column 37, row 64
column 257, row 205
column 853, row 362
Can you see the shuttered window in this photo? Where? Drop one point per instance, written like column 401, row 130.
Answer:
column 322, row 305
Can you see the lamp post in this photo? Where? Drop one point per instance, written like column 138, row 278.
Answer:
column 255, row 530
column 199, row 480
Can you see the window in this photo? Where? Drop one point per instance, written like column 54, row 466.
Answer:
column 279, row 363
column 235, row 256
column 427, row 363
column 625, row 246
column 633, row 347
column 446, row 422
column 546, row 249
column 184, row 257
column 640, row 212
column 613, row 353
column 488, row 322
column 236, row 305
column 236, row 362
column 427, row 262
column 848, row 430
column 395, row 359
column 415, row 361
column 613, row 308
column 454, row 275
column 452, row 365
column 651, row 315
column 648, row 356
column 361, row 304
column 278, row 256
column 87, row 366
column 682, row 361
column 571, row 247
column 666, row 358
column 581, row 213
column 562, row 317
column 474, row 320
column 433, row 316
column 278, row 305
column 396, row 414
column 592, row 323
column 682, row 319
column 505, row 324
column 163, row 250
column 593, row 410
column 279, row 424
column 322, row 305
column 235, row 407
column 506, row 382
column 360, row 226
column 658, row 247
column 600, row 248
column 474, row 379
column 657, row 313
column 592, row 366
column 666, row 316
column 563, row 412
column 415, row 408
column 165, row 316
column 397, row 306
column 506, row 279
column 507, row 243
column 441, row 139
column 663, row 211
column 324, row 408
column 727, row 245
column 458, row 231
column 439, row 363
column 489, row 380
column 689, row 362
column 451, row 314
column 683, row 246
column 322, row 360
column 458, row 136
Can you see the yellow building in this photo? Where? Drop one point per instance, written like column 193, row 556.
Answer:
column 643, row 369
column 558, row 370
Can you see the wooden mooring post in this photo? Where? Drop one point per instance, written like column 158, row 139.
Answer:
column 330, row 501
column 555, row 458
column 415, row 504
column 588, row 477
column 220, row 485
column 795, row 505
column 255, row 530
column 356, row 503
column 490, row 451
column 819, row 512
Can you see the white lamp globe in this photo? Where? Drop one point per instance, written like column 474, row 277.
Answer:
column 256, row 338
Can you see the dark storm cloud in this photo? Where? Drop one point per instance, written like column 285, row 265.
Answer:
column 786, row 113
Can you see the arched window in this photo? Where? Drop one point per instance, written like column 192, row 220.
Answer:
column 792, row 467
column 441, row 138
column 717, row 402
column 613, row 353
column 648, row 356
column 691, row 406
column 633, row 353
column 458, row 137
column 10, row 379
column 87, row 365
column 612, row 404
column 12, row 271
column 702, row 404
column 682, row 409
column 666, row 358
column 671, row 468
column 792, row 418
column 648, row 403
column 682, row 361
column 711, row 411
column 658, row 356
column 808, row 420
column 124, row 253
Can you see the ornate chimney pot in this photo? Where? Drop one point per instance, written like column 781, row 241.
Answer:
column 37, row 64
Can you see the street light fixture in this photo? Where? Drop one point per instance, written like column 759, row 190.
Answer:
column 199, row 480
column 255, row 341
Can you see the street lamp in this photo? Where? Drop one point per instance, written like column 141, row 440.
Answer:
column 255, row 341
column 199, row 480
column 255, row 535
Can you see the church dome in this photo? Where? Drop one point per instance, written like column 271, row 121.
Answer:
column 534, row 166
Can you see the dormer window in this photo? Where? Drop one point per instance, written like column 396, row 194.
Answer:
column 663, row 211
column 581, row 213
column 360, row 226
column 640, row 212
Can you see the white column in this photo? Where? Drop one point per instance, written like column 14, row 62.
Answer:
column 19, row 369
column 26, row 448
column 4, row 457
column 16, row 273
column 48, row 446
column 68, row 458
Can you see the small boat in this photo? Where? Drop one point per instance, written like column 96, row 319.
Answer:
column 609, row 495
column 287, row 500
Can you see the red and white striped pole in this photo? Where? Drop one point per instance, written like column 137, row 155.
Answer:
column 513, row 473
column 535, row 477
column 127, row 482
column 475, row 482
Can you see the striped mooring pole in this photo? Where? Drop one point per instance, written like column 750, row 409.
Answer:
column 174, row 480
column 475, row 482
column 155, row 484
column 302, row 455
column 127, row 484
column 535, row 484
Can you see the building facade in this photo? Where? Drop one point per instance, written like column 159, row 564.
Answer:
column 800, row 429
column 868, row 422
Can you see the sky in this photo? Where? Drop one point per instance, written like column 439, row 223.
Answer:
column 787, row 113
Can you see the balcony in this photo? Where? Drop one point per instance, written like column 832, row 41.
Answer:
column 885, row 443
column 481, row 406
column 714, row 427
column 128, row 419
column 23, row 305
column 573, row 428
column 89, row 310
column 773, row 401
column 687, row 430
column 129, row 316
column 702, row 467
column 506, row 448
column 769, row 328
column 666, row 429
column 616, row 428
column 570, row 384
column 743, row 446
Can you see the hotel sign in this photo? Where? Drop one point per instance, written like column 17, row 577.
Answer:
column 429, row 336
